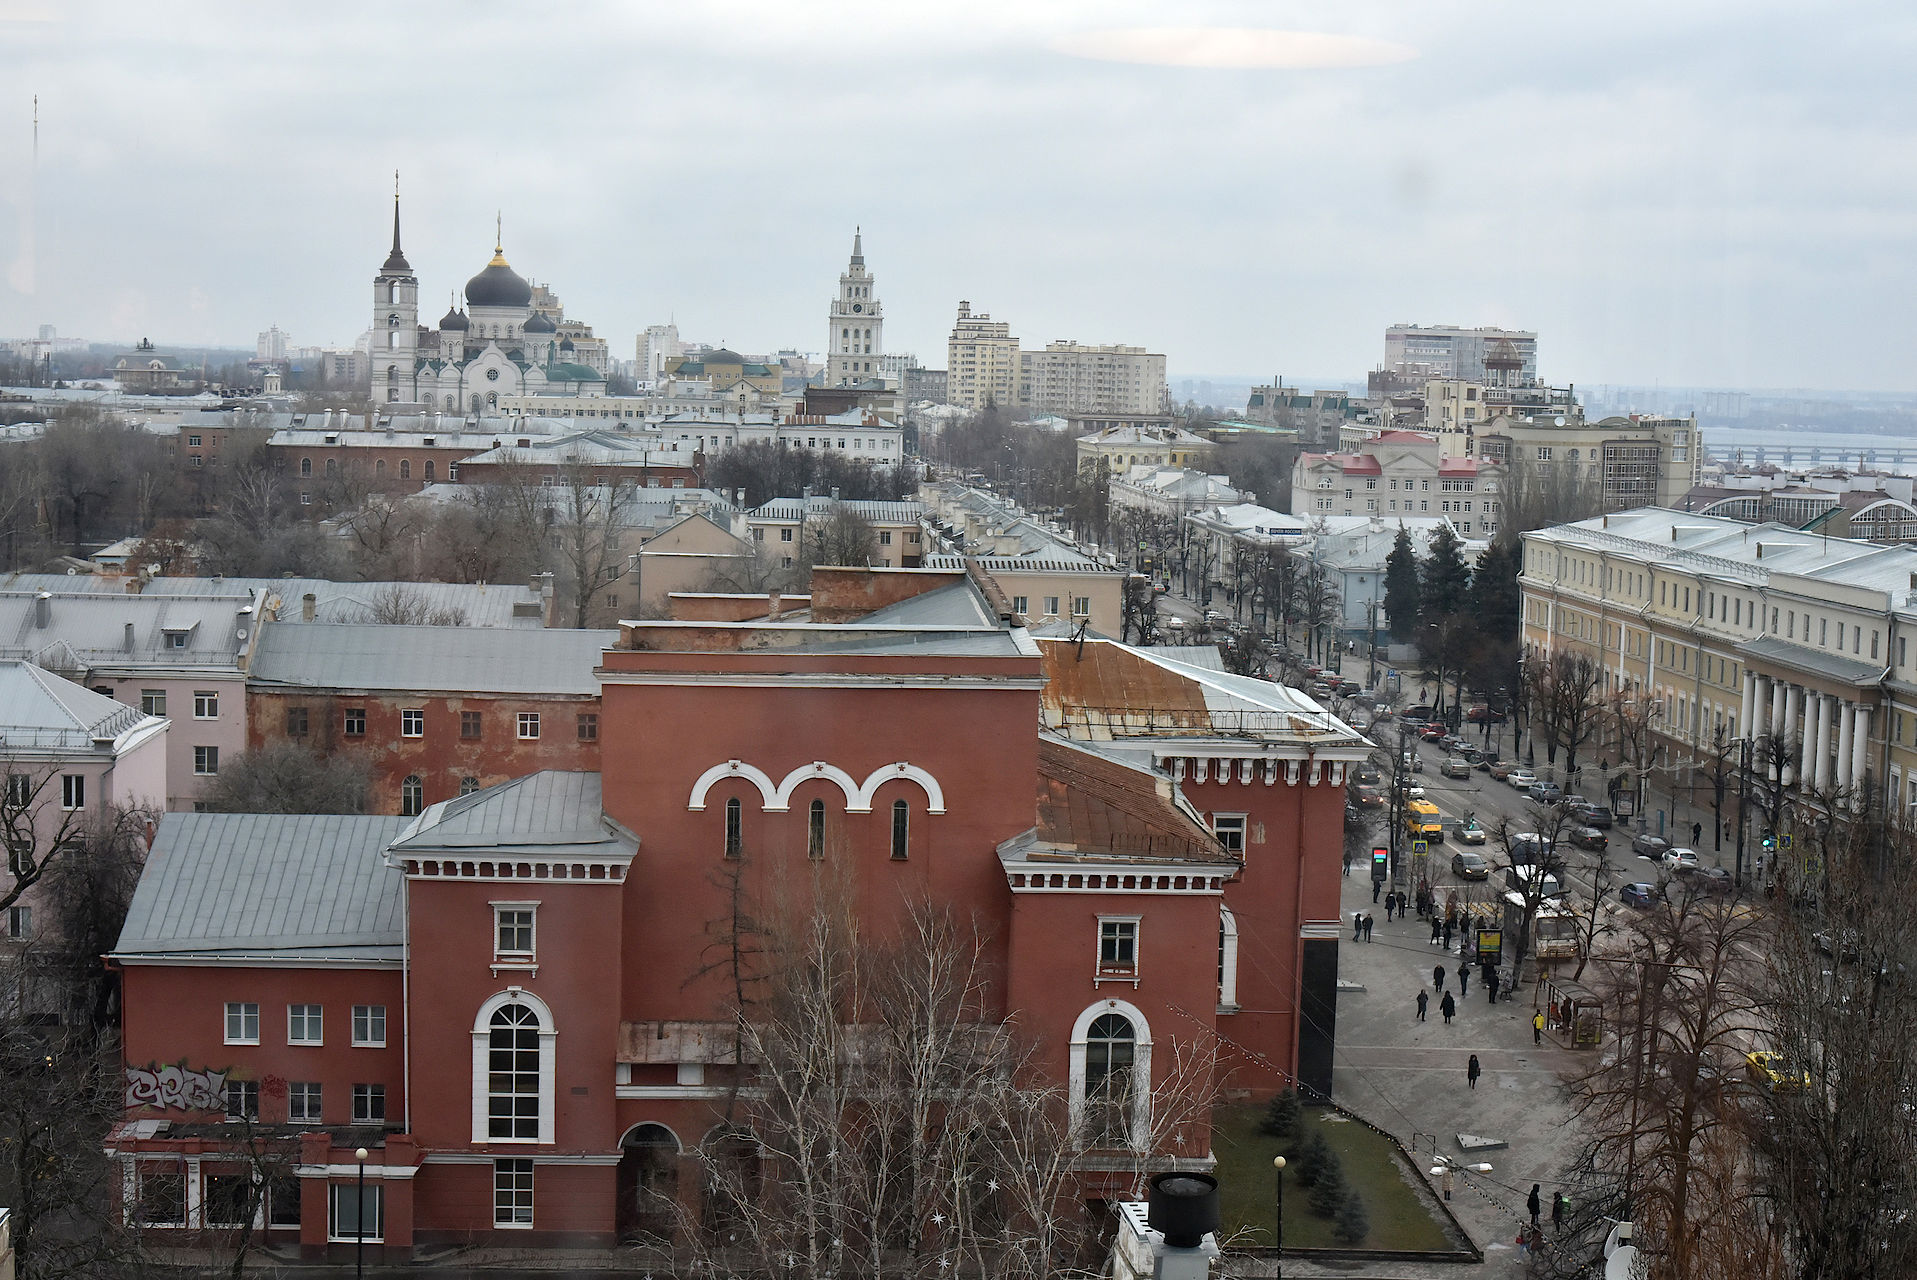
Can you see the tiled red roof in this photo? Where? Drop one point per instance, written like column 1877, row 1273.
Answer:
column 1096, row 807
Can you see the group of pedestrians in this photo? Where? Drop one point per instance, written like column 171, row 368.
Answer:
column 1361, row 926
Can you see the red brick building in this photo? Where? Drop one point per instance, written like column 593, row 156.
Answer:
column 435, row 711
column 567, row 1041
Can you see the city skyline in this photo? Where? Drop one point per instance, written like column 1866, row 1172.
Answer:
column 1274, row 200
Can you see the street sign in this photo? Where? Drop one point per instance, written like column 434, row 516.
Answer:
column 1786, row 838
column 1420, row 846
column 1490, row 946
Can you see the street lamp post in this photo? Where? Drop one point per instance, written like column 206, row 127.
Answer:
column 1278, row 1163
column 359, row 1218
column 1371, row 639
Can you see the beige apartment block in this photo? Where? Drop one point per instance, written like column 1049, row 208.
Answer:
column 1068, row 377
column 1641, row 461
column 981, row 361
column 1726, row 630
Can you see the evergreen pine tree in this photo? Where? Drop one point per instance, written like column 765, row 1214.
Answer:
column 1313, row 1159
column 1352, row 1224
column 1402, row 599
column 1495, row 601
column 1282, row 1116
column 1445, row 576
column 1328, row 1193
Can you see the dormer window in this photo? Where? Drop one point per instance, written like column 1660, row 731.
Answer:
column 176, row 639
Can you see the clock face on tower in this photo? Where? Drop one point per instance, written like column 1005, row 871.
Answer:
column 858, row 306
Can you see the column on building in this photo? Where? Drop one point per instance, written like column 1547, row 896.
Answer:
column 1860, row 751
column 1847, row 727
column 1777, row 712
column 1825, row 708
column 1747, row 709
column 1793, row 730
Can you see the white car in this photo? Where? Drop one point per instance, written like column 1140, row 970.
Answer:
column 1521, row 779
column 1680, row 861
column 1414, row 790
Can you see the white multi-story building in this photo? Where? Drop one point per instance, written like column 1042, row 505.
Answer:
column 981, row 361
column 856, row 326
column 1447, row 351
column 1400, row 473
column 656, row 350
column 1069, row 377
column 270, row 345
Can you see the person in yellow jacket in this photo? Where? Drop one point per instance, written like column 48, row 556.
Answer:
column 1537, row 1027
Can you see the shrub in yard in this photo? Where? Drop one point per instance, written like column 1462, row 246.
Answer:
column 1330, row 1191
column 1282, row 1116
column 1352, row 1224
column 1313, row 1158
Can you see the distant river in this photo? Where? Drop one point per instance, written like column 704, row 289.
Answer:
column 1796, row 447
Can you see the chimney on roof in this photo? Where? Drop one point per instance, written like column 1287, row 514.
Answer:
column 129, row 632
column 774, row 606
column 309, row 607
column 43, row 609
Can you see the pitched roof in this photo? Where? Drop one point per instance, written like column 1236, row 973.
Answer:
column 1091, row 806
column 430, row 659
column 553, row 814
column 275, row 886
column 39, row 709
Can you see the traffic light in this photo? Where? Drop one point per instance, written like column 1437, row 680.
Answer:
column 1770, row 843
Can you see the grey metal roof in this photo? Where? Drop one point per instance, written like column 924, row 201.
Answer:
column 815, row 508
column 281, row 886
column 1781, row 652
column 482, row 604
column 959, row 605
column 87, row 628
column 553, row 813
column 39, row 709
column 430, row 659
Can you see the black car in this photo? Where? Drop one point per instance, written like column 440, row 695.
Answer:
column 1588, row 838
column 1368, row 774
column 1650, row 846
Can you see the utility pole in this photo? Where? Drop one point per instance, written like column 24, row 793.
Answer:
column 1371, row 638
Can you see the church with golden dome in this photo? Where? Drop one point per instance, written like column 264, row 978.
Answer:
column 509, row 339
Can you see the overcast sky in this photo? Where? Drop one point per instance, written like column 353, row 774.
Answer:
column 1704, row 193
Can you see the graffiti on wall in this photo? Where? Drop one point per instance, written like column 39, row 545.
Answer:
column 176, row 1087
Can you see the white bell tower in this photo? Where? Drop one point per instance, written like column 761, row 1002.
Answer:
column 395, row 321
column 856, row 337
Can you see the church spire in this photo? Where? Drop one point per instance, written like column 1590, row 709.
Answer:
column 858, row 248
column 499, row 241
column 396, row 260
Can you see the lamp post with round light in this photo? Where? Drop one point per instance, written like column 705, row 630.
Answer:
column 1278, row 1163
column 359, row 1218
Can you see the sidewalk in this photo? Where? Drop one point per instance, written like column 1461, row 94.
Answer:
column 1408, row 1077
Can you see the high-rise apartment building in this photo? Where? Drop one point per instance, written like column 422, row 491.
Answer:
column 271, row 344
column 981, row 361
column 658, row 347
column 1447, row 351
column 1068, row 377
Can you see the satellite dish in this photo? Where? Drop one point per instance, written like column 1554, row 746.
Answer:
column 1560, row 419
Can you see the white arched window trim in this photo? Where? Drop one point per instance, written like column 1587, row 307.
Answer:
column 1141, row 1065
column 678, row 1144
column 548, row 1059
column 1227, row 960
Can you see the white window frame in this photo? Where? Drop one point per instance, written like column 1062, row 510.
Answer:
column 414, row 717
column 365, row 1015
column 1227, row 960
column 206, row 704
column 204, row 756
column 506, row 1210
column 73, row 792
column 376, row 1192
column 1141, row 1064
column 364, row 1092
column 246, row 1010
column 548, row 1050
column 1223, row 822
column 1113, row 971
column 529, row 720
column 310, row 1015
column 515, row 956
column 153, row 702
column 318, row 1089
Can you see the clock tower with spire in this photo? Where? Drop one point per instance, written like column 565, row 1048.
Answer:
column 395, row 321
column 856, row 337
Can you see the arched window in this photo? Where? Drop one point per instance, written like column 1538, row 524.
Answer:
column 901, row 829
column 379, row 466
column 514, row 1052
column 1111, row 1050
column 815, row 830
column 392, row 373
column 1110, row 1078
column 1227, row 960
column 332, row 466
column 734, row 836
column 512, row 1067
column 412, row 796
column 306, row 466
column 392, row 322
column 468, row 785
column 405, row 468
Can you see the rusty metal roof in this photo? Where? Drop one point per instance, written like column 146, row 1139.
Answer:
column 1091, row 806
column 1107, row 691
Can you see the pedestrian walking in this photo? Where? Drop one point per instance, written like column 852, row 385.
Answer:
column 1534, row 1204
column 1560, row 1205
column 1394, row 901
column 1493, row 986
column 1377, row 886
column 1348, row 861
column 1447, row 1007
column 1437, row 977
column 1424, row 1002
column 1471, row 1072
column 1357, row 925
column 1367, row 926
column 1437, row 929
column 1697, row 834
column 1537, row 1028
column 1464, row 981
column 1447, row 935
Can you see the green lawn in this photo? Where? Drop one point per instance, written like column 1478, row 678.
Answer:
column 1247, row 1184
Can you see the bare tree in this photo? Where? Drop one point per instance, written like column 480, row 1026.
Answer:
column 843, row 538
column 285, row 777
column 398, row 605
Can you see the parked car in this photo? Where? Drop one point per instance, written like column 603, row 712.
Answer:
column 1368, row 773
column 1175, row 623
column 1546, row 791
column 1594, row 815
column 1482, row 714
column 1650, row 846
column 1456, row 767
column 1714, row 880
column 1349, row 688
column 1467, row 864
column 1680, row 861
column 1589, row 838
column 1638, row 894
column 1470, row 832
column 1451, row 742
column 1213, row 618
column 1772, row 1070
column 1500, row 769
column 1522, row 779
column 1432, row 733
